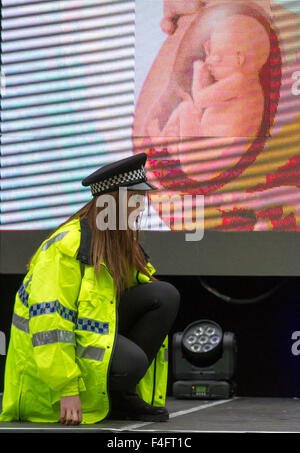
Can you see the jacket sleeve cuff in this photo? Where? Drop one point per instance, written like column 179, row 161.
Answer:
column 72, row 388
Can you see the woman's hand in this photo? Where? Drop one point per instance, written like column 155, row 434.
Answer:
column 70, row 410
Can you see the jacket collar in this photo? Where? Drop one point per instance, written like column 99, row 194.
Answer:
column 85, row 242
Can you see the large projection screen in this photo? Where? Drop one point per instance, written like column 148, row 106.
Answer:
column 210, row 90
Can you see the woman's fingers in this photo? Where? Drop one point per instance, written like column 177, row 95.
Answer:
column 80, row 416
column 75, row 417
column 72, row 417
column 69, row 418
column 62, row 415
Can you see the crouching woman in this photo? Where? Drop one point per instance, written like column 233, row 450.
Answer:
column 89, row 334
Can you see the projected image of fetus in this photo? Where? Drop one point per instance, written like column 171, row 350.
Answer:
column 217, row 116
column 226, row 99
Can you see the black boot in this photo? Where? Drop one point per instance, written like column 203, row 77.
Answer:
column 129, row 406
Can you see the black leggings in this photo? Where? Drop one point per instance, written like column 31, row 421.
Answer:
column 146, row 313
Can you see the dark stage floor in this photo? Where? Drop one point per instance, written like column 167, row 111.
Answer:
column 240, row 414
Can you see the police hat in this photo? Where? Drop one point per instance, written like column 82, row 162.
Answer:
column 128, row 172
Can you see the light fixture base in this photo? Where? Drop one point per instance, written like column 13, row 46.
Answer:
column 203, row 390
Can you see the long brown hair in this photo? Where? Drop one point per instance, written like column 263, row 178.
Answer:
column 118, row 249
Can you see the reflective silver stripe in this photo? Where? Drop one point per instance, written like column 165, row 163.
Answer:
column 20, row 323
column 53, row 336
column 58, row 237
column 90, row 352
column 166, row 355
column 59, row 336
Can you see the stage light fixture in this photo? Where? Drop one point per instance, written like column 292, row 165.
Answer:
column 204, row 362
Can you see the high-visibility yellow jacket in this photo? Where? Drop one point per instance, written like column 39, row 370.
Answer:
column 63, row 334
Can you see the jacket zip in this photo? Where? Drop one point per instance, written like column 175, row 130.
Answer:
column 20, row 396
column 112, row 352
column 154, row 381
column 110, row 360
column 154, row 377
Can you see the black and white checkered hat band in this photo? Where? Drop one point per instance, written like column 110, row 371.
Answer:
column 130, row 177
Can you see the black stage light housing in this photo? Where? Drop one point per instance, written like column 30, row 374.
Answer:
column 204, row 361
